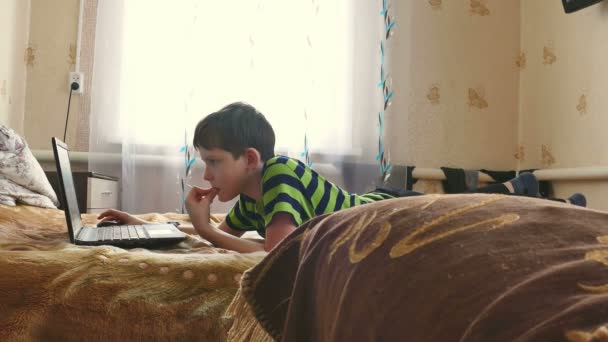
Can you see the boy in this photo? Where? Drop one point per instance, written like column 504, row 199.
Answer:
column 276, row 193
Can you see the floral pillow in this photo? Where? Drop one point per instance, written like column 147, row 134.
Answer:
column 22, row 180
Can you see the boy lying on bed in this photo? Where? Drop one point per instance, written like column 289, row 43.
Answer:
column 276, row 193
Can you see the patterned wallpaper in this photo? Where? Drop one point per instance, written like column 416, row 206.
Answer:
column 456, row 83
column 14, row 27
column 49, row 57
column 563, row 107
column 563, row 102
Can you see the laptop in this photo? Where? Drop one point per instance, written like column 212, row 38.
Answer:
column 145, row 235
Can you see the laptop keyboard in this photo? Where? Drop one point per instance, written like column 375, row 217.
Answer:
column 120, row 233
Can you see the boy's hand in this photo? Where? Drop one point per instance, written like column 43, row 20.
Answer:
column 198, row 202
column 120, row 217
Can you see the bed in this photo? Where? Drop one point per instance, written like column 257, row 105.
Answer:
column 53, row 290
column 434, row 268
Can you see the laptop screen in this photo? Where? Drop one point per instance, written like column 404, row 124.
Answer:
column 67, row 186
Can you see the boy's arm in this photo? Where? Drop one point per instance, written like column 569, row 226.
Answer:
column 222, row 239
column 197, row 203
column 189, row 229
column 281, row 225
column 226, row 228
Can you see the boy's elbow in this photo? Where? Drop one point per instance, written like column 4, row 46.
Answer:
column 268, row 246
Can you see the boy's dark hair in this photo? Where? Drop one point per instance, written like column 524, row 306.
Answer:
column 235, row 128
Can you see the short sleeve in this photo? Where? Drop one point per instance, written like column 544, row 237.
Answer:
column 283, row 192
column 239, row 218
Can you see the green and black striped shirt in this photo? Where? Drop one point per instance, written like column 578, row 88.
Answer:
column 289, row 186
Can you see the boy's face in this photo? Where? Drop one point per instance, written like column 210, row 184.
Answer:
column 226, row 174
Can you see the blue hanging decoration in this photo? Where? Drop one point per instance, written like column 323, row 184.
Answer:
column 383, row 156
column 387, row 93
column 306, row 153
column 389, row 22
column 189, row 160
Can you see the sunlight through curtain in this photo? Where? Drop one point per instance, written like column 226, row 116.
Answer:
column 160, row 66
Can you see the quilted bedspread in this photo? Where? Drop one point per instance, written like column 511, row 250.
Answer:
column 53, row 290
column 435, row 268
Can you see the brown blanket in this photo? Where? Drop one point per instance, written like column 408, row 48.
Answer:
column 438, row 268
column 52, row 290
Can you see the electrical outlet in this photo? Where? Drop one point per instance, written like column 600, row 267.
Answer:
column 78, row 78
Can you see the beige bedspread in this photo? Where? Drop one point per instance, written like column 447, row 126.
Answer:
column 53, row 290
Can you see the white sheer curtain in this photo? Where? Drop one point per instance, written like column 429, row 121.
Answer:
column 161, row 66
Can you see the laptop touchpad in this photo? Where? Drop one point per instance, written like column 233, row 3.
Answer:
column 160, row 232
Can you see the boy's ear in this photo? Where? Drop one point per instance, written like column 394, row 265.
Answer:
column 252, row 157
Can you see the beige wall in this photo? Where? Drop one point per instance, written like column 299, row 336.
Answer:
column 456, row 83
column 53, row 36
column 563, row 92
column 14, row 25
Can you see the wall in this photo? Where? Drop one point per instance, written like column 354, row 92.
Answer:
column 563, row 104
column 456, row 83
column 14, row 25
column 52, row 46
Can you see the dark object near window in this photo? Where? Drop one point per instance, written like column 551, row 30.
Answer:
column 575, row 5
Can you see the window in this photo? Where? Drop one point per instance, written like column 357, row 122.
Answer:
column 184, row 59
